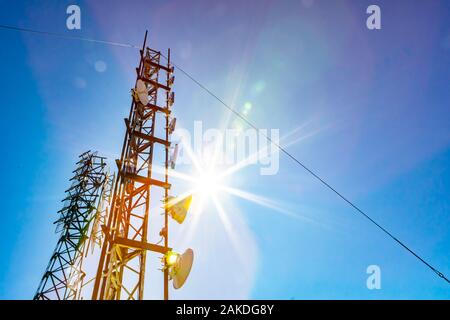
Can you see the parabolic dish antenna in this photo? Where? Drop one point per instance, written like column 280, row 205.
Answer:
column 142, row 92
column 182, row 268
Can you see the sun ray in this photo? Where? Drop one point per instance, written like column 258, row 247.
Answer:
column 229, row 229
column 268, row 203
column 197, row 208
column 180, row 197
column 173, row 173
column 190, row 153
column 263, row 201
column 262, row 151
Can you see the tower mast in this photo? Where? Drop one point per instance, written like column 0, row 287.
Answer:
column 64, row 274
column 121, row 269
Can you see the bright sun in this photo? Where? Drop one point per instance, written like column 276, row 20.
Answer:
column 208, row 183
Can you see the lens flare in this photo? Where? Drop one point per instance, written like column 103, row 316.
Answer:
column 208, row 183
column 171, row 258
column 209, row 187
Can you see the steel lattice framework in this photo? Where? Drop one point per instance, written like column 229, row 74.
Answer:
column 121, row 270
column 63, row 276
column 101, row 217
column 95, row 236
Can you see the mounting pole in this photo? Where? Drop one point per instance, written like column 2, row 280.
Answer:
column 166, row 191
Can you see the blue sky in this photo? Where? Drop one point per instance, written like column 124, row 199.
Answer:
column 375, row 110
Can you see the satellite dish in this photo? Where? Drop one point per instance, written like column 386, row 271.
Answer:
column 181, row 270
column 178, row 209
column 142, row 92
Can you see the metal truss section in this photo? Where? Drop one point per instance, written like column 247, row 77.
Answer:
column 96, row 237
column 64, row 275
column 121, row 270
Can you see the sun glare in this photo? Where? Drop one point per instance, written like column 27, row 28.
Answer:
column 208, row 183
